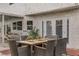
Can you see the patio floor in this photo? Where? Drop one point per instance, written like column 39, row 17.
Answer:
column 5, row 51
column 73, row 52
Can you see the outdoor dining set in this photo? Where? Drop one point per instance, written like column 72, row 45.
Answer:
column 35, row 45
column 47, row 46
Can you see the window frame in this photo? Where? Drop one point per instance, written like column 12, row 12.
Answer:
column 19, row 26
column 16, row 26
column 30, row 25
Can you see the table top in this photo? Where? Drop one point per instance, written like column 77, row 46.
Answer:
column 32, row 42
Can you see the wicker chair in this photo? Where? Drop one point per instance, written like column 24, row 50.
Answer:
column 23, row 37
column 24, row 51
column 60, row 49
column 14, row 36
column 52, row 37
column 13, row 47
column 18, row 51
column 45, row 51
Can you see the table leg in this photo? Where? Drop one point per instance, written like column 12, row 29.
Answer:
column 31, row 50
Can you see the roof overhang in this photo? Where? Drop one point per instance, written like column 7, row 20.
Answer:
column 55, row 10
column 11, row 14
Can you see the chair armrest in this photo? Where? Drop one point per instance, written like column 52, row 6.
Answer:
column 40, row 47
column 44, row 43
column 25, row 46
column 40, row 51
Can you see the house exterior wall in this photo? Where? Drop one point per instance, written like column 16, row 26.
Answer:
column 73, row 25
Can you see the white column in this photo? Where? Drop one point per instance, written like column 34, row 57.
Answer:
column 64, row 28
column 2, row 28
column 54, row 27
column 44, row 28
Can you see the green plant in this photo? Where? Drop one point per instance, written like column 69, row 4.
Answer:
column 34, row 34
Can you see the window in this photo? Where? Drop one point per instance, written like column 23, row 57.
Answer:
column 14, row 26
column 29, row 25
column 17, row 25
column 58, row 22
column 48, row 28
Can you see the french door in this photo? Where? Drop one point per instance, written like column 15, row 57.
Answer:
column 59, row 28
column 48, row 28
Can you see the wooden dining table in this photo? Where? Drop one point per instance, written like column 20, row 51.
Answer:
column 31, row 43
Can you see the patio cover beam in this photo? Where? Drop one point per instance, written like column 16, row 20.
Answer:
column 11, row 14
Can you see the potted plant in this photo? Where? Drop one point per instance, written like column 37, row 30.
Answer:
column 33, row 34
